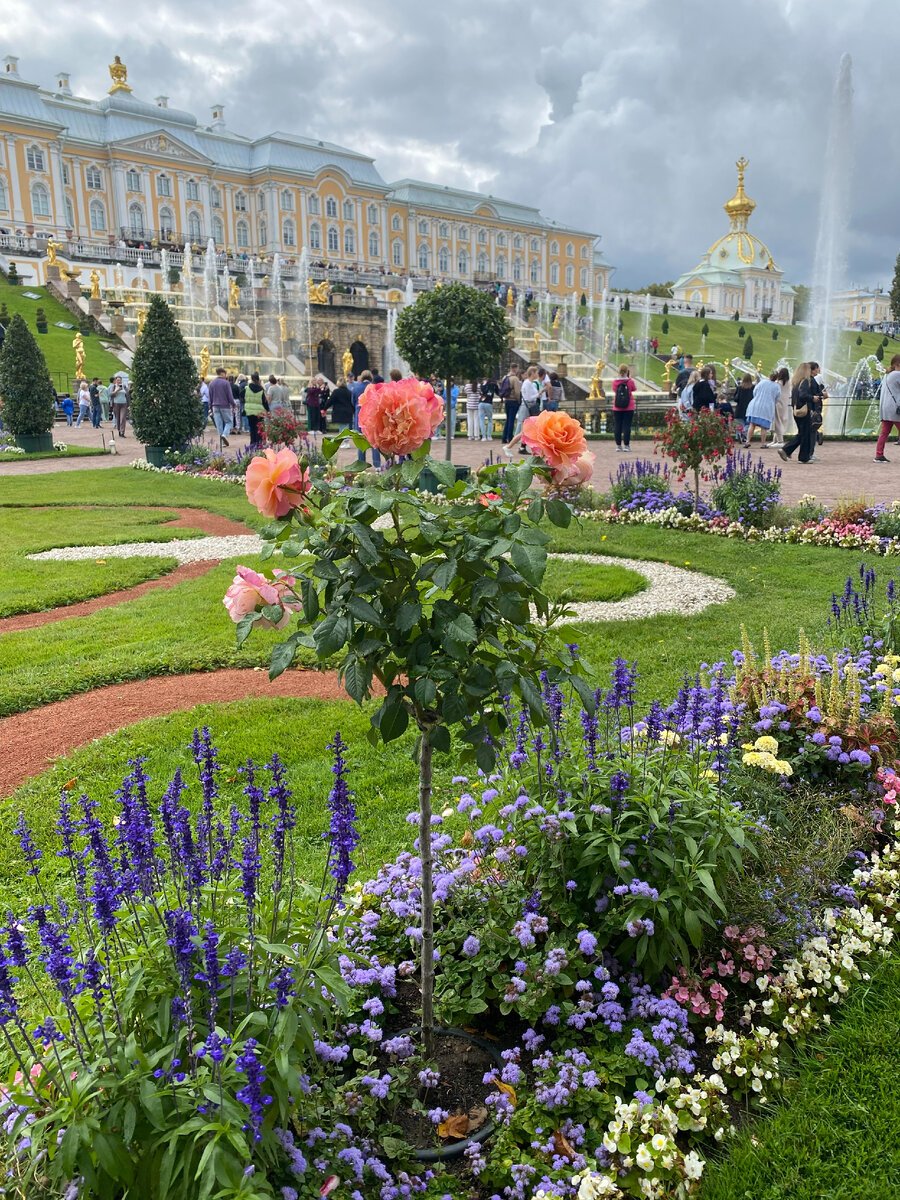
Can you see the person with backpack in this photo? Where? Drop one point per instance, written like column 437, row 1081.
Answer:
column 510, row 392
column 704, row 394
column 623, row 409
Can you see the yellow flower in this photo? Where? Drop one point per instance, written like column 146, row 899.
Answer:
column 784, row 767
column 709, row 775
column 767, row 744
column 668, row 738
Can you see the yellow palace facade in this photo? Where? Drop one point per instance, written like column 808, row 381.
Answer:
column 125, row 170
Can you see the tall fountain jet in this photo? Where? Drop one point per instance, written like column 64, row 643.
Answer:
column 834, row 218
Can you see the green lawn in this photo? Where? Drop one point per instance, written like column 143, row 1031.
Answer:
column 70, row 452
column 56, row 344
column 592, row 581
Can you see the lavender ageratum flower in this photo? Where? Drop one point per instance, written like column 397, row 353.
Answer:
column 252, row 1095
column 587, row 943
column 342, row 835
column 471, row 946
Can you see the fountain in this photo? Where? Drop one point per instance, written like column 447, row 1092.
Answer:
column 210, row 281
column 853, row 405
column 645, row 335
column 303, row 314
column 164, row 270
column 409, row 295
column 188, row 290
column 833, row 219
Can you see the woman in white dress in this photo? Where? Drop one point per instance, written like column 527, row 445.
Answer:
column 761, row 409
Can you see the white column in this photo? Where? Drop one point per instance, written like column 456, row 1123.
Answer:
column 386, row 254
column 434, row 248
column 81, row 203
column 453, row 263
column 119, row 215
column 59, row 206
column 362, row 249
column 302, row 222
column 227, row 215
column 207, row 212
column 147, row 198
column 18, row 212
column 412, row 262
column 273, row 213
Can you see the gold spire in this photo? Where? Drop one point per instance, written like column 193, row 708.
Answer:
column 740, row 206
column 119, row 74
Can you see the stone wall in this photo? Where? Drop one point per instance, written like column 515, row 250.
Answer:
column 347, row 326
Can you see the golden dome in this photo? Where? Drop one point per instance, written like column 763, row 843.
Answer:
column 740, row 206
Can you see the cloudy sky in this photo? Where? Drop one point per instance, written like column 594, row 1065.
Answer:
column 623, row 117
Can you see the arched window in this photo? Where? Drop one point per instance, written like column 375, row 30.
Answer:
column 289, row 233
column 166, row 224
column 287, row 200
column 584, row 277
column 349, row 212
column 482, row 263
column 315, row 236
column 263, row 231
column 195, row 231
column 70, row 213
column 242, row 235
column 584, row 251
column 4, row 203
column 501, row 239
column 34, row 158
column 535, row 245
column 136, row 220
column 240, row 202
column 330, row 206
column 372, row 214
column 215, row 198
column 133, row 180
column 443, row 229
column 517, row 270
column 163, row 185
column 260, row 202
column 192, row 190
column 349, row 241
column 424, row 257
column 98, row 217
column 517, row 242
column 501, row 265
column 93, row 179
column 570, row 249
column 374, row 245
column 482, row 237
column 397, row 223
column 444, row 260
column 462, row 234
column 397, row 253
column 333, row 241
column 40, row 200
column 554, row 274
column 423, row 226
column 218, row 231
column 312, row 205
column 462, row 262
column 570, row 276
column 534, row 271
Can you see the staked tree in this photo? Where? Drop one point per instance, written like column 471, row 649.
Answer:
column 453, row 332
column 165, row 401
column 705, row 330
column 895, row 291
column 27, row 395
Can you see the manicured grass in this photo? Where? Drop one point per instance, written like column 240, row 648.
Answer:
column 70, row 452
column 592, row 582
column 834, row 1137
column 56, row 344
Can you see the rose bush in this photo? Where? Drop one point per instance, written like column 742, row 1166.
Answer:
column 276, row 483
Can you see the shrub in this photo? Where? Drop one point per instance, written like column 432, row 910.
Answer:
column 4, row 313
column 742, row 331
column 165, row 401
column 748, row 347
column 282, row 427
column 40, row 320
column 885, row 519
column 173, row 276
column 665, row 327
column 702, row 312
column 26, row 391
column 851, row 508
column 736, row 317
column 747, row 492
column 859, row 339
column 626, row 307
column 885, row 340
column 692, row 444
column 879, row 352
column 774, row 333
column 665, row 309
column 705, row 330
column 641, row 485
column 12, row 275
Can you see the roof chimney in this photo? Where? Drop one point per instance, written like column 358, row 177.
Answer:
column 162, row 101
column 218, row 116
column 11, row 63
column 62, row 83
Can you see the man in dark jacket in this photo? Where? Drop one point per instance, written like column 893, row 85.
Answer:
column 684, row 375
column 341, row 404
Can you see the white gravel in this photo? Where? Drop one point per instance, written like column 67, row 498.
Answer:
column 672, row 589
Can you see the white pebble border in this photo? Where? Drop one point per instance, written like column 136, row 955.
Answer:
column 671, row 590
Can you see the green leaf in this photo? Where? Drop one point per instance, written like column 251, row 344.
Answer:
column 393, row 1147
column 559, row 513
column 282, row 657
column 535, row 509
column 460, row 629
column 440, row 738
column 530, row 561
column 310, row 598
column 693, row 926
column 475, row 1006
column 444, row 574
column 331, row 634
column 272, row 613
column 424, row 691
column 453, row 707
column 585, row 693
column 365, row 612
column 485, row 756
column 359, row 441
column 393, row 722
column 407, row 616
column 443, row 471
column 244, row 626
column 357, row 678
column 530, row 694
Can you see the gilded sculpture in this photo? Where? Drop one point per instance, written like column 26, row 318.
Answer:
column 596, row 392
column 52, row 248
column 346, row 363
column 141, row 318
column 556, row 318
column 119, row 74
column 536, row 343
column 204, row 362
column 234, row 294
column 510, row 302
column 78, row 347
column 95, row 285
column 282, row 325
column 669, row 365
column 319, row 292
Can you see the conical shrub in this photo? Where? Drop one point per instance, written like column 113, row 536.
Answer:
column 27, row 395
column 165, row 400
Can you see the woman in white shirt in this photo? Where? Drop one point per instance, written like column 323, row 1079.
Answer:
column 84, row 402
column 761, row 409
column 529, row 405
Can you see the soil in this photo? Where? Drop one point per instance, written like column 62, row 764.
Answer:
column 30, row 741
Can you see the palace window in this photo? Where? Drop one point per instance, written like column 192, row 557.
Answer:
column 287, row 200
column 397, row 253
column 330, row 206
column 315, row 236
column 570, row 276
column 70, row 213
column 136, row 220
column 65, row 174
column 535, row 245
column 93, row 179
column 462, row 233
column 40, row 201
column 423, row 226
column 482, row 263
column 462, row 262
column 98, row 217
column 444, row 260
column 501, row 239
column 218, row 231
column 424, row 257
column 215, row 198
column 242, row 235
column 570, row 249
column 166, row 224
column 192, row 190
column 374, row 245
column 34, row 158
column 372, row 214
column 517, row 242
column 584, row 251
column 349, row 241
column 554, row 247
column 397, row 223
column 195, row 231
column 133, row 181
column 534, row 271
column 240, row 202
column 334, row 244
column 482, row 237
column 517, row 270
column 348, row 210
column 443, row 230
column 260, row 202
column 163, row 185
column 584, row 277
column 289, row 233
column 501, row 265
column 262, row 230
column 4, row 203
column 554, row 274
column 312, row 205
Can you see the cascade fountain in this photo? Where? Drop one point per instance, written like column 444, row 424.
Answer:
column 834, row 212
column 409, row 295
column 164, row 270
column 601, row 331
column 188, row 291
column 304, row 319
column 210, row 281
column 645, row 335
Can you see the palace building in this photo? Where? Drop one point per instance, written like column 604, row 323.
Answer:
column 738, row 272
column 122, row 169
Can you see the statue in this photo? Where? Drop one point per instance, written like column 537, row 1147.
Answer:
column 141, row 318
column 234, row 294
column 52, row 248
column 119, row 74
column 509, row 297
column 204, row 362
column 95, row 285
column 536, row 343
column 64, row 274
column 596, row 392
column 556, row 318
column 669, row 365
column 346, row 363
column 319, row 292
column 78, row 347
column 282, row 325
column 369, row 290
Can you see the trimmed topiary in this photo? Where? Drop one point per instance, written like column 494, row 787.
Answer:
column 165, row 402
column 748, row 347
column 27, row 395
column 40, row 320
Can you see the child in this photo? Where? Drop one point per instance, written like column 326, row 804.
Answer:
column 68, row 408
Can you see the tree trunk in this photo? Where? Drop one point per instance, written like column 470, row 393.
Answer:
column 425, row 754
column 448, row 445
column 696, row 490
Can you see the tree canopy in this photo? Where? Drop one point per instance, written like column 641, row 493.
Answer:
column 27, row 394
column 165, row 403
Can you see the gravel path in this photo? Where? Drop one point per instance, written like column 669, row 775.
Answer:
column 183, row 551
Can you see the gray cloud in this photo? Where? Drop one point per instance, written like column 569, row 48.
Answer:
column 623, row 117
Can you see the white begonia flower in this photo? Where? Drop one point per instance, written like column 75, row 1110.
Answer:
column 693, row 1165
column 644, row 1158
column 659, row 1142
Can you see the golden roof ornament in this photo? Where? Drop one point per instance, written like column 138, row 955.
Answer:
column 740, row 206
column 119, row 75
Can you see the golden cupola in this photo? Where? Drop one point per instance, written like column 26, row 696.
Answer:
column 740, row 206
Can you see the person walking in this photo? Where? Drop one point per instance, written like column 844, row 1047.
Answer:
column 256, row 405
column 802, row 405
column 783, row 378
column 204, row 399
column 761, row 409
column 279, row 396
column 118, row 395
column 84, row 401
column 96, row 410
column 510, row 392
column 555, row 393
column 221, row 404
column 740, row 401
column 530, row 404
column 68, row 408
column 623, row 409
column 888, row 407
column 486, row 409
column 316, row 402
column 685, row 399
column 703, row 394
column 473, row 403
column 103, row 396
column 341, row 403
column 356, row 393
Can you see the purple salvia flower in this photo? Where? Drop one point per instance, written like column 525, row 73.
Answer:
column 205, row 755
column 30, row 852
column 342, row 835
column 285, row 816
column 252, row 1094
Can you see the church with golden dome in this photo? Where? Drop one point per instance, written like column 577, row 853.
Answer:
column 738, row 273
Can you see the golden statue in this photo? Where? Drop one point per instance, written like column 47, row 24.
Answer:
column 282, row 325
column 52, row 248
column 78, row 347
column 556, row 318
column 141, row 318
column 596, row 392
column 95, row 285
column 669, row 365
column 509, row 298
column 319, row 292
column 394, row 296
column 369, row 291
column 346, row 363
column 119, row 74
column 64, row 274
column 759, row 366
column 204, row 361
column 536, row 343
column 234, row 294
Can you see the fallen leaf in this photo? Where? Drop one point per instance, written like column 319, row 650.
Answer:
column 101, row 562
column 477, row 1117
column 456, row 1126
column 67, row 787
column 505, row 1087
column 563, row 1147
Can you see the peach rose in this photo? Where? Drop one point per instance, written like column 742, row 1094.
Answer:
column 251, row 591
column 555, row 437
column 275, row 483
column 574, row 474
column 397, row 417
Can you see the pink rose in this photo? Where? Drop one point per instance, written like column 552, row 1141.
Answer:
column 275, row 484
column 555, row 437
column 251, row 591
column 573, row 475
column 397, row 417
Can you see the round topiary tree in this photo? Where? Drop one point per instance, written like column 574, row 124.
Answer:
column 665, row 310
column 705, row 330
column 27, row 395
column 742, row 331
column 40, row 320
column 774, row 333
column 702, row 313
column 453, row 332
column 626, row 307
column 165, row 403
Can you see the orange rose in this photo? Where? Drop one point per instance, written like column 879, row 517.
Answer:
column 574, row 474
column 397, row 417
column 555, row 437
column 275, row 484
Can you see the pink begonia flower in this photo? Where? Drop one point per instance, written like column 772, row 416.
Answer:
column 555, row 437
column 398, row 416
column 275, row 484
column 251, row 591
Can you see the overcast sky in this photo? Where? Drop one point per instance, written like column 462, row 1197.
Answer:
column 623, row 117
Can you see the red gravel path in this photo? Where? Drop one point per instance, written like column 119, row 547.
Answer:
column 30, row 741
